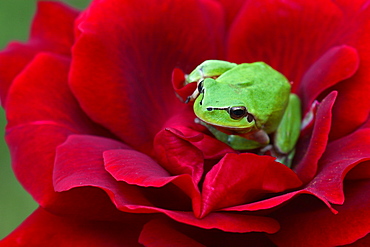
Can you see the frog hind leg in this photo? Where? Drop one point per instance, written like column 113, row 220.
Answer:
column 286, row 135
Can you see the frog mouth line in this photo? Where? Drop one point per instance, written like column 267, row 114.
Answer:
column 229, row 129
column 218, row 108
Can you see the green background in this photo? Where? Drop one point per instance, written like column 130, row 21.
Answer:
column 15, row 203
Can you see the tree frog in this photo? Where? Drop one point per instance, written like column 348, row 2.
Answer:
column 248, row 106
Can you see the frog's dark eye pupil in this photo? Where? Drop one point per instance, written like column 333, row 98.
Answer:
column 238, row 112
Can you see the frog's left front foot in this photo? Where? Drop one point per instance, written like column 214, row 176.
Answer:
column 286, row 159
column 283, row 158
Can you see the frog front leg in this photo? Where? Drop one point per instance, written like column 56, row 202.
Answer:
column 287, row 133
column 207, row 69
column 285, row 137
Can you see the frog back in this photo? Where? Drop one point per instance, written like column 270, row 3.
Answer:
column 264, row 91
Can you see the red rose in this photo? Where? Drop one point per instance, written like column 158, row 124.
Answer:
column 114, row 158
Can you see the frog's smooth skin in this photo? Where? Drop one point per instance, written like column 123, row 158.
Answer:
column 244, row 104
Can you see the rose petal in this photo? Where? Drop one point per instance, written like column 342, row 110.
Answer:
column 339, row 157
column 52, row 31
column 79, row 162
column 227, row 222
column 80, row 175
column 276, row 201
column 191, row 236
column 238, row 179
column 129, row 198
column 53, row 25
column 32, row 152
column 350, row 8
column 307, row 167
column 178, row 83
column 209, row 145
column 232, row 9
column 361, row 171
column 213, row 148
column 365, row 241
column 45, row 229
column 299, row 222
column 337, row 64
column 276, row 32
column 130, row 49
column 160, row 233
column 40, row 94
column 136, row 168
column 355, row 88
column 40, row 106
column 262, row 204
column 12, row 61
column 177, row 155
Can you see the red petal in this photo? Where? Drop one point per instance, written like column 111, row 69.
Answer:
column 300, row 220
column 361, row 171
column 40, row 106
column 337, row 64
column 232, row 9
column 79, row 162
column 160, row 233
column 209, row 145
column 276, row 32
column 45, row 229
column 54, row 27
column 264, row 204
column 129, row 198
column 178, row 84
column 307, row 167
column 52, row 31
column 136, row 168
column 363, row 242
column 352, row 106
column 339, row 157
column 228, row 222
column 213, row 148
column 125, row 61
column 40, row 94
column 32, row 152
column 238, row 179
column 177, row 155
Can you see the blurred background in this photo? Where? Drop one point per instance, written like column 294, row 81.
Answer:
column 15, row 203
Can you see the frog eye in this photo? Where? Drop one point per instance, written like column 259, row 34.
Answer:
column 238, row 112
